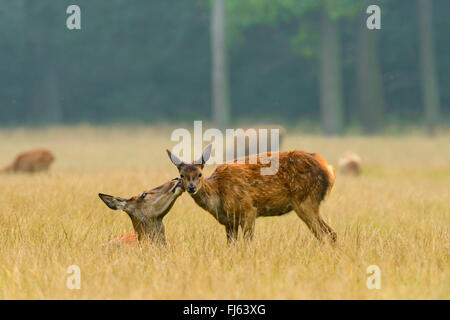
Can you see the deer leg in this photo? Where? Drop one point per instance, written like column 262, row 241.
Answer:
column 232, row 232
column 328, row 230
column 248, row 228
column 248, row 225
column 309, row 213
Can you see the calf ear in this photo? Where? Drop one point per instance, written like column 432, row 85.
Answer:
column 206, row 154
column 175, row 160
column 113, row 202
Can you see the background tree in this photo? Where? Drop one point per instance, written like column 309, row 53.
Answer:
column 369, row 74
column 331, row 96
column 41, row 88
column 430, row 87
column 330, row 71
column 152, row 62
column 220, row 101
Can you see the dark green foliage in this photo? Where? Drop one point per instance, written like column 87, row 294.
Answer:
column 147, row 61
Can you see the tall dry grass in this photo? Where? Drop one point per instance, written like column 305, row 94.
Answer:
column 395, row 216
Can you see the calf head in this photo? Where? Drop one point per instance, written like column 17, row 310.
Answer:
column 148, row 209
column 191, row 173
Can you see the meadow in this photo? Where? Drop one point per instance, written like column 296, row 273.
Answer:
column 396, row 216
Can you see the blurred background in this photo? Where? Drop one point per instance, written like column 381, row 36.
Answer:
column 309, row 63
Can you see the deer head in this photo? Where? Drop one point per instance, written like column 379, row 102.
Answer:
column 148, row 209
column 191, row 174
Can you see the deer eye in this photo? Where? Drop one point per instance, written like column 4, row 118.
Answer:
column 143, row 195
column 199, row 175
column 182, row 177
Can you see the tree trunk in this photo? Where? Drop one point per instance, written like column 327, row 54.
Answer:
column 42, row 94
column 44, row 98
column 220, row 100
column 370, row 83
column 331, row 98
column 430, row 87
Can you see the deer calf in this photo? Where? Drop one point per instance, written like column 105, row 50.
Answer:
column 146, row 212
column 236, row 193
column 32, row 161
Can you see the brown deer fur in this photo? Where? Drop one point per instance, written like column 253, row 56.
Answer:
column 236, row 194
column 146, row 212
column 32, row 161
column 127, row 239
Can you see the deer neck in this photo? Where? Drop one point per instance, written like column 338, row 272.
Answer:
column 208, row 197
column 152, row 228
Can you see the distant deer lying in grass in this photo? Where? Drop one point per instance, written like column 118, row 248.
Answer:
column 236, row 194
column 146, row 212
column 350, row 164
column 31, row 161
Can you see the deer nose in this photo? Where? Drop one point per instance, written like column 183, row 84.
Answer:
column 191, row 189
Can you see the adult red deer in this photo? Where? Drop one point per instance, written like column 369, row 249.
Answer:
column 146, row 212
column 31, row 161
column 236, row 193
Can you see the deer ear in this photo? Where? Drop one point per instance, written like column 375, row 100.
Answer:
column 206, row 154
column 113, row 202
column 175, row 160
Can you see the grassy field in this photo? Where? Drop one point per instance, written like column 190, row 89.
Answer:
column 395, row 216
